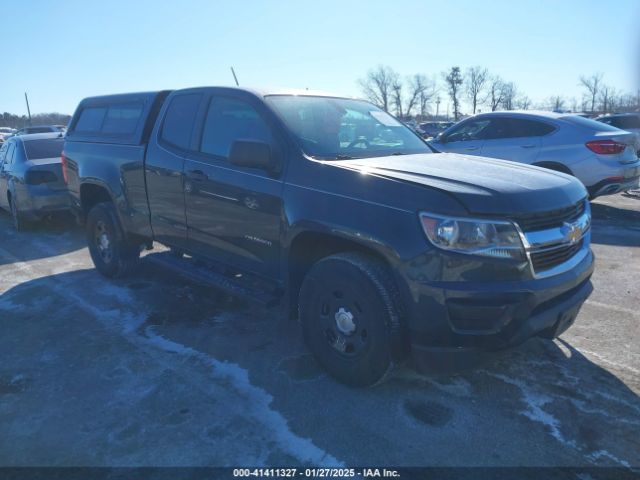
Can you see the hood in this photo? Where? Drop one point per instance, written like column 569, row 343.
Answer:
column 483, row 185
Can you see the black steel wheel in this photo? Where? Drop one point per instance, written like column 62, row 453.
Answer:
column 111, row 253
column 350, row 318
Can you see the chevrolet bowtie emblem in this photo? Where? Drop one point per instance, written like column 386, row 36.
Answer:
column 572, row 233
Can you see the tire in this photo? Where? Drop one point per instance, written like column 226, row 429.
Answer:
column 19, row 223
column 112, row 255
column 348, row 307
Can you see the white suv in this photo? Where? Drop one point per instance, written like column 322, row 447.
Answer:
column 602, row 157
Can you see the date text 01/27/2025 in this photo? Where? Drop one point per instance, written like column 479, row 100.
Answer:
column 316, row 472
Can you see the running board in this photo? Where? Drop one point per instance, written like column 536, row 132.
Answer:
column 239, row 284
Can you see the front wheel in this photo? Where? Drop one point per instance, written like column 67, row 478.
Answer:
column 110, row 251
column 350, row 318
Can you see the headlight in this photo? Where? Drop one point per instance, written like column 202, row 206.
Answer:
column 489, row 238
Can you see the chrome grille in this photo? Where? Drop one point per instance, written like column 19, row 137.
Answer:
column 551, row 257
column 552, row 219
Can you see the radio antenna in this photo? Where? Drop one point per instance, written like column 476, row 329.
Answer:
column 234, row 77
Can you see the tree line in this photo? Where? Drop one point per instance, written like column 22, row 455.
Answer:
column 20, row 121
column 416, row 95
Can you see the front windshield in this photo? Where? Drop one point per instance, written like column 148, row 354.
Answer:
column 338, row 128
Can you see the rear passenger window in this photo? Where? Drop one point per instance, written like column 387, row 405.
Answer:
column 517, row 128
column 91, row 119
column 122, row 119
column 177, row 126
column 228, row 120
column 529, row 128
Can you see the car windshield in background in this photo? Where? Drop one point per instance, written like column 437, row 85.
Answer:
column 337, row 128
column 44, row 148
column 589, row 123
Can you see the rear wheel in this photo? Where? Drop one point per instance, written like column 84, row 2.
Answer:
column 110, row 251
column 349, row 315
column 19, row 223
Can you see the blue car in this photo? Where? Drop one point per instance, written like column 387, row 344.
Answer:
column 31, row 181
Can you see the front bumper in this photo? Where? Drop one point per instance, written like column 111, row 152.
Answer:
column 454, row 317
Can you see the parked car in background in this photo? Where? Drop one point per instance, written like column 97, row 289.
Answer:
column 6, row 132
column 602, row 157
column 432, row 129
column 41, row 129
column 624, row 121
column 31, row 181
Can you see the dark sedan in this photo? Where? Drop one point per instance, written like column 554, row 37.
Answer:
column 31, row 180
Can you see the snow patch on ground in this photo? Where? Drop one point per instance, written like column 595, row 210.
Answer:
column 535, row 408
column 595, row 456
column 302, row 449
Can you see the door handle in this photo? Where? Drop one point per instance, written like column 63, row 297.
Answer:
column 472, row 148
column 198, row 176
column 527, row 146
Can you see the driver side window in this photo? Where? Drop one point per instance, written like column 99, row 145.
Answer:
column 471, row 130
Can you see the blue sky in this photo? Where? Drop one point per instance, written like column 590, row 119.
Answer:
column 60, row 52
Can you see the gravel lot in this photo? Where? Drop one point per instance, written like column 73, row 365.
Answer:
column 158, row 370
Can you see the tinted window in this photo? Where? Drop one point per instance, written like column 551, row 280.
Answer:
column 470, row 130
column 8, row 159
column 45, row 148
column 517, row 128
column 3, row 152
column 91, row 119
column 179, row 119
column 122, row 119
column 39, row 130
column 625, row 122
column 229, row 120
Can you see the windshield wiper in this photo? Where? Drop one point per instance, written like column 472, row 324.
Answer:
column 398, row 153
column 333, row 157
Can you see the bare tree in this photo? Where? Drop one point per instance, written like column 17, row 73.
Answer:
column 556, row 103
column 495, row 92
column 377, row 86
column 476, row 80
column 592, row 84
column 454, row 83
column 509, row 93
column 574, row 104
column 396, row 93
column 428, row 93
column 523, row 102
column 415, row 86
column 608, row 98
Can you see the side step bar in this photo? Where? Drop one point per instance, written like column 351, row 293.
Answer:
column 238, row 284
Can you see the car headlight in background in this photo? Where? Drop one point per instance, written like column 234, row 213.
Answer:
column 489, row 238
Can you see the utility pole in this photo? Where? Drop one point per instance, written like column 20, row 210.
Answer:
column 234, row 77
column 28, row 109
column 437, row 106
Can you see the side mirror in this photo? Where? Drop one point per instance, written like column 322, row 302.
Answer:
column 441, row 138
column 248, row 153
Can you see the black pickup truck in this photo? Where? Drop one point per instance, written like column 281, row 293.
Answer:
column 378, row 245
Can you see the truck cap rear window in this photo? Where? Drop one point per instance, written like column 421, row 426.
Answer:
column 119, row 119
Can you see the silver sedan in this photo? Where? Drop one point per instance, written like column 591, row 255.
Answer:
column 602, row 157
